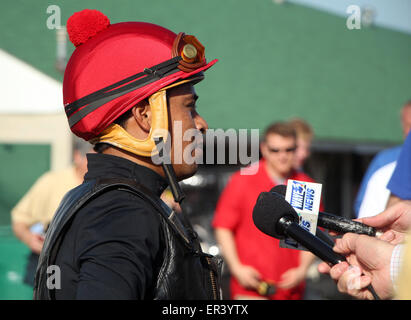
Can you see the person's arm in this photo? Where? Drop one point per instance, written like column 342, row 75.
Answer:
column 226, row 219
column 32, row 240
column 247, row 276
column 293, row 277
column 392, row 200
column 371, row 254
column 399, row 184
column 29, row 211
column 118, row 248
column 306, row 259
column 374, row 165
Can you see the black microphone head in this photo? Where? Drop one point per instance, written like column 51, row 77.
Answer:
column 268, row 210
column 280, row 189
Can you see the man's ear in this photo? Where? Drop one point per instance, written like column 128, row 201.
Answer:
column 263, row 148
column 142, row 115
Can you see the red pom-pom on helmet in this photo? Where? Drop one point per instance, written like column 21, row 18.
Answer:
column 85, row 24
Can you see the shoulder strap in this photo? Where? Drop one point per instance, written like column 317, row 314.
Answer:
column 141, row 191
column 76, row 199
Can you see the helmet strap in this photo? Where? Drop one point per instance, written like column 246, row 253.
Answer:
column 169, row 172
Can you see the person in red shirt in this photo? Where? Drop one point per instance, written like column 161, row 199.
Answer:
column 252, row 256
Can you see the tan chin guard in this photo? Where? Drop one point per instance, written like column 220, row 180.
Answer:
column 117, row 136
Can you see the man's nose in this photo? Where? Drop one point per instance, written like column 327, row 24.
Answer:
column 201, row 124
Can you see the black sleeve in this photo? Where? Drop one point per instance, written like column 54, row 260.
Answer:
column 117, row 246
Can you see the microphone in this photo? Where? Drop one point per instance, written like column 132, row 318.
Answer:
column 275, row 217
column 324, row 236
column 336, row 223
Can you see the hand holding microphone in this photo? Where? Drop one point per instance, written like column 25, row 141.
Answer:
column 364, row 252
column 372, row 254
column 277, row 218
column 395, row 222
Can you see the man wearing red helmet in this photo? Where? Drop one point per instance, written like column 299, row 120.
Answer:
column 125, row 87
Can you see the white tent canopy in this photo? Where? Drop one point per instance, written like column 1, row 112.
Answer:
column 31, row 110
column 26, row 90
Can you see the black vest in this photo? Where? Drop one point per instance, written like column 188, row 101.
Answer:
column 186, row 272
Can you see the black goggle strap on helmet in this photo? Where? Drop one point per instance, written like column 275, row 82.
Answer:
column 178, row 194
column 188, row 55
column 93, row 101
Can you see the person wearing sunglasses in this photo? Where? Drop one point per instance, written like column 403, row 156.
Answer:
column 254, row 258
column 305, row 135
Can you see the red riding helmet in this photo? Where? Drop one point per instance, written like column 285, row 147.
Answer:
column 114, row 66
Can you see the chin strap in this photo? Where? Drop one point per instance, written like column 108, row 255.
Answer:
column 117, row 136
column 176, row 190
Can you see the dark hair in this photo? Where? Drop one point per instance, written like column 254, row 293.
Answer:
column 100, row 147
column 283, row 129
column 121, row 121
column 80, row 145
column 302, row 128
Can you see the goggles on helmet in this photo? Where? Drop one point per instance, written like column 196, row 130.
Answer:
column 187, row 56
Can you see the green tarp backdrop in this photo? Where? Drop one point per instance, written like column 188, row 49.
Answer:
column 276, row 61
